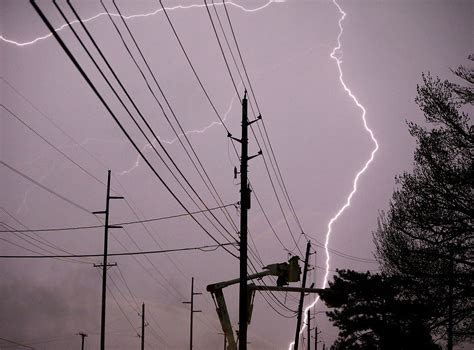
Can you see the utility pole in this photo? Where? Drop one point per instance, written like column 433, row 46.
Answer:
column 300, row 306
column 315, row 336
column 308, row 325
column 244, row 207
column 192, row 312
column 450, row 301
column 83, row 335
column 143, row 326
column 104, row 264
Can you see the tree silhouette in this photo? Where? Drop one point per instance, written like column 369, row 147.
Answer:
column 373, row 312
column 427, row 234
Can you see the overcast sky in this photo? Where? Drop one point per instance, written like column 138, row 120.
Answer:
column 316, row 131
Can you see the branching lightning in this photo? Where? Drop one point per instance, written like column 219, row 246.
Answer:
column 142, row 15
column 170, row 142
column 177, row 7
column 336, row 55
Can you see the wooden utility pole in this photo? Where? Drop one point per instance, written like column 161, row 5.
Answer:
column 143, row 326
column 300, row 306
column 244, row 207
column 192, row 313
column 450, row 301
column 308, row 315
column 83, row 335
column 104, row 264
column 315, row 336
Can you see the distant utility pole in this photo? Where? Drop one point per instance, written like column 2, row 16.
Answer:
column 244, row 207
column 192, row 313
column 315, row 336
column 300, row 306
column 83, row 335
column 450, row 301
column 143, row 327
column 308, row 325
column 104, row 264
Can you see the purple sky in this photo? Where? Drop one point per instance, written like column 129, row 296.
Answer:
column 315, row 128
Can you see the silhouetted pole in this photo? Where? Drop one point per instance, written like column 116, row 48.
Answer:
column 308, row 315
column 83, row 335
column 244, row 207
column 143, row 326
column 104, row 264
column 315, row 336
column 450, row 302
column 192, row 313
column 300, row 306
column 324, row 346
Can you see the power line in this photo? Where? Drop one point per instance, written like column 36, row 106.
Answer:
column 99, row 162
column 53, row 229
column 44, row 187
column 40, row 240
column 50, row 144
column 271, row 295
column 221, row 49
column 201, row 84
column 16, row 343
column 74, row 141
column 344, row 255
column 206, row 248
column 140, row 114
column 183, row 133
column 50, row 120
column 121, row 293
column 271, row 153
column 159, row 246
column 192, row 67
column 119, row 306
column 237, row 92
column 235, row 87
column 99, row 96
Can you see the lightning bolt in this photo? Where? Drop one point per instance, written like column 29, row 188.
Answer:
column 142, row 15
column 170, row 142
column 336, row 55
column 177, row 7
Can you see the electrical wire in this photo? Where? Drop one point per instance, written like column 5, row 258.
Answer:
column 236, row 90
column 50, row 144
column 41, row 241
column 183, row 133
column 142, row 222
column 138, row 111
column 51, row 121
column 192, row 66
column 44, row 187
column 272, row 153
column 73, row 228
column 207, row 248
column 196, row 75
column 92, row 86
column 136, row 306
